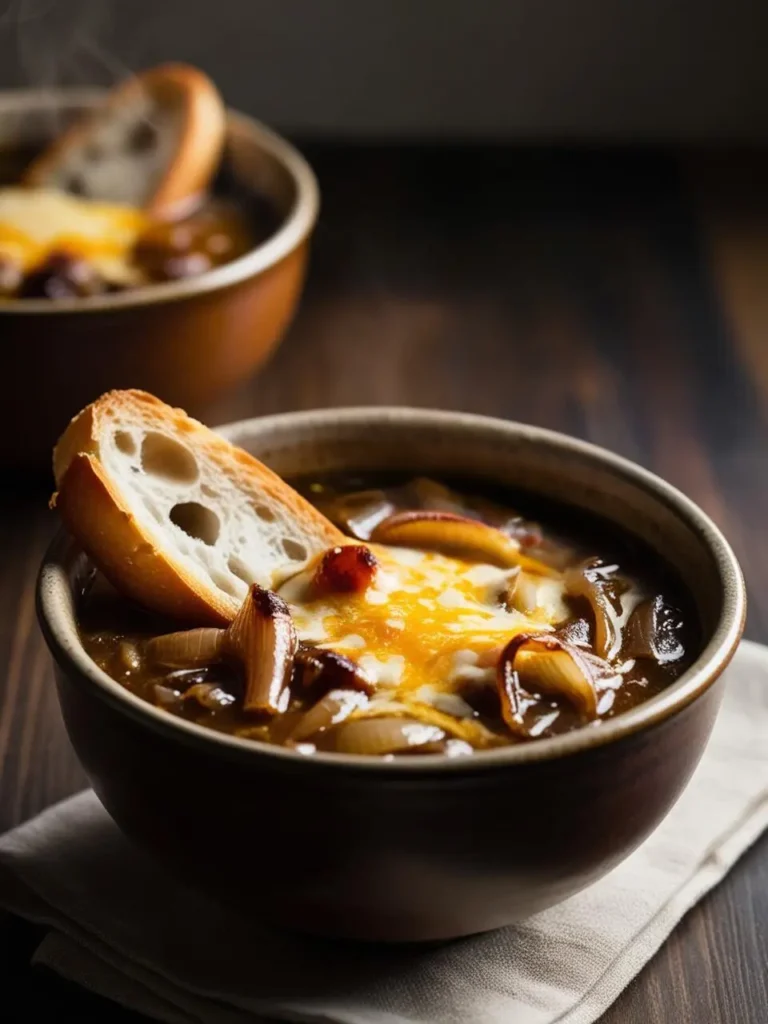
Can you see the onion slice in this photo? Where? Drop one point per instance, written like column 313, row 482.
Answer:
column 653, row 632
column 521, row 593
column 209, row 696
column 331, row 709
column 456, row 535
column 262, row 638
column 359, row 513
column 569, row 678
column 166, row 697
column 424, row 493
column 322, row 670
column 193, row 648
column 467, row 729
column 581, row 582
column 380, row 736
column 559, row 674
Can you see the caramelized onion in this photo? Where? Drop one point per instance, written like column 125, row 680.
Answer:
column 429, row 494
column 559, row 674
column 130, row 657
column 345, row 570
column 433, row 496
column 359, row 513
column 193, row 648
column 467, row 729
column 574, row 684
column 584, row 582
column 183, row 678
column 209, row 696
column 528, row 535
column 456, row 535
column 263, row 640
column 653, row 632
column 575, row 632
column 537, row 596
column 166, row 697
column 380, row 736
column 323, row 670
column 333, row 708
column 521, row 594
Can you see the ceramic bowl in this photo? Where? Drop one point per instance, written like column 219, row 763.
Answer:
column 187, row 341
column 414, row 848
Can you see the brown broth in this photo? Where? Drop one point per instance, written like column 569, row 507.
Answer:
column 114, row 631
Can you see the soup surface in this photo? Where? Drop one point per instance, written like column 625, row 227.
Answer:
column 457, row 623
column 57, row 245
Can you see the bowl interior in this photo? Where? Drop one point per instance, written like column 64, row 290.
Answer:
column 547, row 464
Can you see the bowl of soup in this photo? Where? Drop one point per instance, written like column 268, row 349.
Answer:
column 186, row 308
column 470, row 779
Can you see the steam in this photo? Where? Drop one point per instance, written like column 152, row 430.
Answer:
column 60, row 42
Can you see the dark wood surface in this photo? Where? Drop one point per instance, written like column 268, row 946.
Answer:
column 619, row 296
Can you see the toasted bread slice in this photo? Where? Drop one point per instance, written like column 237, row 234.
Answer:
column 176, row 517
column 155, row 143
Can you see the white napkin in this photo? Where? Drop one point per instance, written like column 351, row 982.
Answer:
column 121, row 927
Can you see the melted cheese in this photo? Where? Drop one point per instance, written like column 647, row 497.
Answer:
column 426, row 621
column 37, row 222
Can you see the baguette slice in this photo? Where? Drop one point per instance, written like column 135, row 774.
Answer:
column 176, row 517
column 155, row 142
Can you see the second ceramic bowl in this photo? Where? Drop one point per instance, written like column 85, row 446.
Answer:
column 187, row 341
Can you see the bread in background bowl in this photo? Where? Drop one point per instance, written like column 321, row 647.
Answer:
column 154, row 142
column 409, row 849
column 187, row 340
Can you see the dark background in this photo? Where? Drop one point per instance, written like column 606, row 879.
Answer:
column 514, row 68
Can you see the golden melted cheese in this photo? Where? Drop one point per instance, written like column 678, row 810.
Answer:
column 37, row 222
column 426, row 621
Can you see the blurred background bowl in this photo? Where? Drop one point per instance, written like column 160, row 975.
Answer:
column 187, row 341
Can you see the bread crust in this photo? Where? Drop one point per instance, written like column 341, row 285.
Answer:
column 93, row 511
column 198, row 153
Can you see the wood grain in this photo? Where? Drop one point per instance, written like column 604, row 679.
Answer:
column 615, row 295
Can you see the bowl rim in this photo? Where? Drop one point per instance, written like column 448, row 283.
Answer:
column 53, row 589
column 294, row 227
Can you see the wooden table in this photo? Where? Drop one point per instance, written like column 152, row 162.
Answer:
column 618, row 296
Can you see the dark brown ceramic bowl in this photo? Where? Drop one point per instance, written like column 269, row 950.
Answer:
column 187, row 341
column 416, row 848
